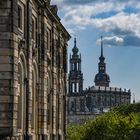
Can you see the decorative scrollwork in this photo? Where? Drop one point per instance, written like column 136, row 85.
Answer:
column 21, row 44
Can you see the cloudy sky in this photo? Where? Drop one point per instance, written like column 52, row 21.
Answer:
column 118, row 21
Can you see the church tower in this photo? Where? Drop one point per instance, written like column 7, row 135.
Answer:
column 75, row 74
column 101, row 78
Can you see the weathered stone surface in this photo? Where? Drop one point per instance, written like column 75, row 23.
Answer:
column 5, row 67
column 6, row 75
column 5, row 59
column 6, row 99
column 26, row 77
column 5, row 35
column 5, row 4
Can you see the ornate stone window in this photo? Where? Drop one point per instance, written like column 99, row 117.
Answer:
column 21, row 16
column 21, row 92
column 34, row 28
column 73, row 87
column 77, row 87
column 34, row 115
column 49, row 40
column 33, row 98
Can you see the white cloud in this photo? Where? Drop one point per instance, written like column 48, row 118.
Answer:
column 79, row 13
column 120, row 24
column 84, row 15
column 80, row 16
column 125, row 24
column 114, row 40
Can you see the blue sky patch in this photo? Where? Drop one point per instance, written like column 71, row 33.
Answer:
column 130, row 10
column 105, row 14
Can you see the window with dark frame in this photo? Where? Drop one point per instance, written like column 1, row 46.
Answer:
column 20, row 17
column 33, row 29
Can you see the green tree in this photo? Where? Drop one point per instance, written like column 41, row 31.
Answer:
column 121, row 123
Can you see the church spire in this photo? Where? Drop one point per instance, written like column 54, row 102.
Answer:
column 75, row 42
column 101, row 78
column 75, row 49
column 75, row 74
column 102, row 58
column 101, row 46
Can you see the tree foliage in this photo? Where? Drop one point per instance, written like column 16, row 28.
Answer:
column 126, row 109
column 121, row 123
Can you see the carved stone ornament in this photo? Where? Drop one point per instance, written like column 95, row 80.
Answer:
column 34, row 51
column 21, row 44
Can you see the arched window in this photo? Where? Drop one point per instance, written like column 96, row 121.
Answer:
column 34, row 98
column 48, row 40
column 73, row 87
column 77, row 87
column 21, row 92
column 20, row 17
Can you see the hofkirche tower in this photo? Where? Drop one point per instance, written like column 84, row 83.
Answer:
column 75, row 74
column 102, row 78
column 96, row 99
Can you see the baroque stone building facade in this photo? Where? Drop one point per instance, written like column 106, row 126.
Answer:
column 33, row 67
column 94, row 100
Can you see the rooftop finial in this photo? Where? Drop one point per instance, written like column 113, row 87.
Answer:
column 75, row 41
column 102, row 56
column 75, row 49
column 101, row 46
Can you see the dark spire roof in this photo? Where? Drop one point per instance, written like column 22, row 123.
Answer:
column 101, row 46
column 102, row 58
column 75, row 49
